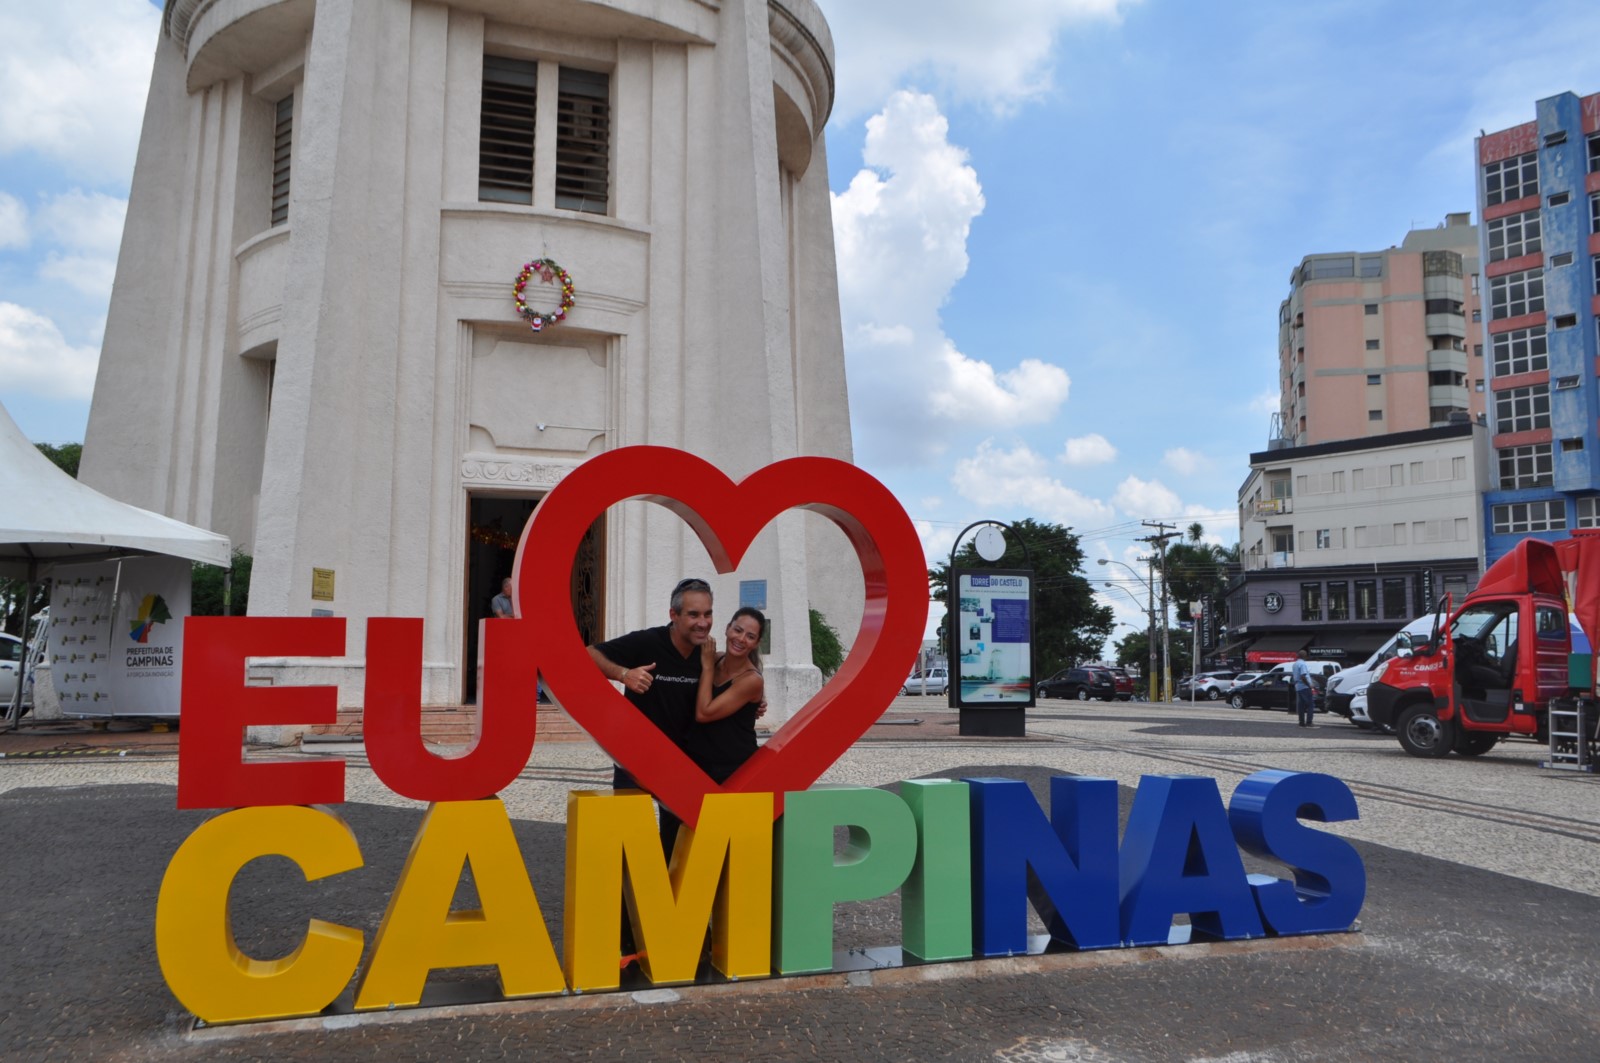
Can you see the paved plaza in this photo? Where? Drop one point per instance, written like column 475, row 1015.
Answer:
column 1476, row 942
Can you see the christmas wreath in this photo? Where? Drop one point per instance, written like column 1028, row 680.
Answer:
column 548, row 272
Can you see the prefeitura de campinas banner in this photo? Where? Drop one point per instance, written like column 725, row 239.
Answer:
column 756, row 859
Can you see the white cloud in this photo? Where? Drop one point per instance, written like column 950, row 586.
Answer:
column 1019, row 478
column 92, row 275
column 1150, row 499
column 74, row 78
column 1185, row 462
column 996, row 56
column 1265, row 402
column 85, row 221
column 36, row 358
column 900, row 233
column 13, row 222
column 1092, row 449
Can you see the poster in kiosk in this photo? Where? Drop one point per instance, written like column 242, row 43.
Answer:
column 994, row 650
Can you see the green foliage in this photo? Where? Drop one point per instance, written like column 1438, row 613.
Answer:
column 827, row 650
column 208, row 583
column 1068, row 626
column 66, row 456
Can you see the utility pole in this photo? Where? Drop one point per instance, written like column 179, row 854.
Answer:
column 1159, row 540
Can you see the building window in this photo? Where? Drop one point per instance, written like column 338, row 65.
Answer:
column 1563, row 259
column 1475, row 290
column 1594, row 212
column 505, row 130
column 1338, row 600
column 1517, row 518
column 1324, row 539
column 583, row 140
column 1371, row 266
column 1394, row 600
column 1511, row 179
column 1572, row 445
column 1332, row 268
column 1366, row 599
column 1514, row 236
column 1477, row 350
column 1529, row 466
column 1523, row 350
column 1560, row 199
column 1477, row 315
column 282, row 145
column 1516, row 294
column 582, row 130
column 1372, row 345
column 1566, row 321
column 1566, row 383
column 1594, row 152
column 1522, row 409
column 1310, row 601
column 1370, row 309
column 1597, row 276
column 1374, row 378
column 1446, row 378
column 1588, row 509
column 1374, row 415
column 1477, row 385
column 1442, row 306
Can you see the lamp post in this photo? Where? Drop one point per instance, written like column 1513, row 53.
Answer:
column 1150, row 613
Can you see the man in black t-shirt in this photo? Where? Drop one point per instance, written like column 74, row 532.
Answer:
column 660, row 669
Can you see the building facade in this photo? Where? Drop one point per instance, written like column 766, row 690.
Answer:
column 313, row 345
column 1539, row 197
column 1343, row 543
column 1375, row 343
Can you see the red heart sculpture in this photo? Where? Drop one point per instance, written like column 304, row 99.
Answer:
column 727, row 516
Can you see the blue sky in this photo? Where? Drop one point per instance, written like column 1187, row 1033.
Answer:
column 1064, row 226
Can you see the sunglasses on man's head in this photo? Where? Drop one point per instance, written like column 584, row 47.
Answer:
column 691, row 585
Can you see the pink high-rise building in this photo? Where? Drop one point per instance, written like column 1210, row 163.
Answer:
column 1375, row 343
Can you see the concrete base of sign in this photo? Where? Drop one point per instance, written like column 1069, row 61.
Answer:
column 994, row 723
column 854, row 969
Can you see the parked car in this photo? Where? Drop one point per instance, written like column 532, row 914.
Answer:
column 1207, row 686
column 1081, row 684
column 1124, row 683
column 10, row 669
column 1275, row 690
column 1244, row 677
column 933, row 681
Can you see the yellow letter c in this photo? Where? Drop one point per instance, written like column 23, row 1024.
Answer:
column 202, row 963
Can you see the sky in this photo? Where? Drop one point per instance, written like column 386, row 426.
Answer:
column 1063, row 227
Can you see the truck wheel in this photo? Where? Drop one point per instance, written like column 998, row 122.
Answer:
column 1422, row 733
column 1470, row 744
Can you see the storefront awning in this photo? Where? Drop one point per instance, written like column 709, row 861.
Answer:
column 1272, row 649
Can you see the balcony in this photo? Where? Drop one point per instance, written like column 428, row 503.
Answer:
column 1271, row 507
column 1257, row 562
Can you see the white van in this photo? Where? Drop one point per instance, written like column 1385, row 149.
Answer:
column 1347, row 691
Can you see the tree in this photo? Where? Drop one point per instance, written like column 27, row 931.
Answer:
column 206, row 587
column 827, row 649
column 1134, row 650
column 1068, row 626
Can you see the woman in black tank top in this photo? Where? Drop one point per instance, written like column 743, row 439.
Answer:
column 731, row 689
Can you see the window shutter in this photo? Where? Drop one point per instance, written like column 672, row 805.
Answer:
column 282, row 139
column 505, row 130
column 583, row 141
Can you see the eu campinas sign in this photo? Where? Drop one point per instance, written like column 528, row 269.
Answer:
column 756, row 859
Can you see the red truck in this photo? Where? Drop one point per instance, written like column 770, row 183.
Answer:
column 1496, row 666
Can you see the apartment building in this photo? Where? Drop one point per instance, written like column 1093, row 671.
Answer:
column 1539, row 197
column 1341, row 543
column 1375, row 343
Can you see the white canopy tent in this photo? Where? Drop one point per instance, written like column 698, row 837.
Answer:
column 47, row 517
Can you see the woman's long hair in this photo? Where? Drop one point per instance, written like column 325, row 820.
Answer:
column 761, row 629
